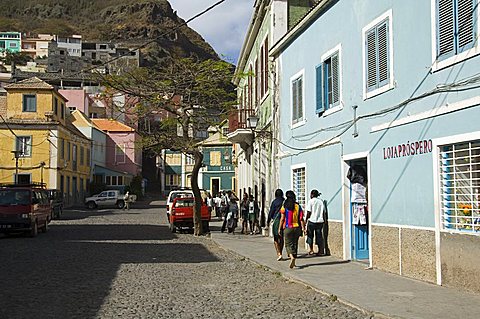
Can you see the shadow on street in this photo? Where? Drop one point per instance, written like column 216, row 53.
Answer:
column 68, row 272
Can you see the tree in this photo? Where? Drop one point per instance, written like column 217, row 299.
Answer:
column 177, row 103
column 18, row 58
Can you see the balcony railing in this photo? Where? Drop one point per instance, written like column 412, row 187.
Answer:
column 238, row 119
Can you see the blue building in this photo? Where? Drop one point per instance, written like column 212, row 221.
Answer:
column 379, row 111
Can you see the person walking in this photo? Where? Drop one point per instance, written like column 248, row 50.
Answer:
column 253, row 211
column 232, row 216
column 126, row 201
column 224, row 206
column 292, row 224
column 315, row 220
column 274, row 215
column 209, row 202
column 218, row 205
column 244, row 212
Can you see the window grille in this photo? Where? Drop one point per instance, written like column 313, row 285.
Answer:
column 460, row 186
column 299, row 185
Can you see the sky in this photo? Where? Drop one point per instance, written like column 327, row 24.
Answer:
column 224, row 27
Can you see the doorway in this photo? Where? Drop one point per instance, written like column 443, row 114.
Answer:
column 356, row 208
column 215, row 185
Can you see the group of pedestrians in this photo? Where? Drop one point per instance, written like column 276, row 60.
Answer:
column 289, row 223
column 288, row 220
column 248, row 210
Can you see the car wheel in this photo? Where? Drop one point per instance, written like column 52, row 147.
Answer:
column 91, row 205
column 45, row 227
column 34, row 230
column 120, row 204
column 168, row 218
column 172, row 227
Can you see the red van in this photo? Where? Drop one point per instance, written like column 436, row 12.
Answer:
column 181, row 214
column 24, row 208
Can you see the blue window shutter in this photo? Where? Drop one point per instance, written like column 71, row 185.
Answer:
column 445, row 28
column 319, row 88
column 371, row 60
column 465, row 24
column 383, row 53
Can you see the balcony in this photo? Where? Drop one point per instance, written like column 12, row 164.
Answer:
column 238, row 130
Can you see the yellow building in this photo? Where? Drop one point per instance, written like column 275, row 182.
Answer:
column 36, row 127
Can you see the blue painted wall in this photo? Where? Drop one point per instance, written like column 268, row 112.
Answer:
column 401, row 188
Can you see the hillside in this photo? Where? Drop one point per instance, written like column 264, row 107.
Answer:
column 121, row 21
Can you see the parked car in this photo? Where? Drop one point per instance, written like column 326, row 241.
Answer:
column 24, row 208
column 180, row 193
column 56, row 201
column 181, row 215
column 112, row 198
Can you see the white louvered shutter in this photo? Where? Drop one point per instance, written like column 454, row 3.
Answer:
column 383, row 48
column 371, row 60
column 465, row 24
column 335, row 80
column 445, row 28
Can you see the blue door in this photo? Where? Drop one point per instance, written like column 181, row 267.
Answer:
column 361, row 242
column 359, row 236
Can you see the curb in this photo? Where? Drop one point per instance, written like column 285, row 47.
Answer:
column 373, row 314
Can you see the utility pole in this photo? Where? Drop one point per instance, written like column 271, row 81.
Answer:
column 17, row 155
column 42, row 164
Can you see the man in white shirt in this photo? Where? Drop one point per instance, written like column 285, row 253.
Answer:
column 315, row 220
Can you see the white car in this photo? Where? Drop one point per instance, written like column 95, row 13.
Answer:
column 108, row 198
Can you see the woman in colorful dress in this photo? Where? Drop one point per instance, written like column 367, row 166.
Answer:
column 293, row 225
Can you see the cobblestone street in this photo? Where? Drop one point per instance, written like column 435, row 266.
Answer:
column 127, row 264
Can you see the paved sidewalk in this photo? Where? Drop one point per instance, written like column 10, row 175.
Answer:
column 372, row 290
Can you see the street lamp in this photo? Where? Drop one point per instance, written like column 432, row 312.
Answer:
column 252, row 122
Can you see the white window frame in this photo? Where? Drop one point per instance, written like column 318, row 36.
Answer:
column 387, row 15
column 337, row 49
column 28, row 145
column 436, row 143
column 302, row 121
column 296, row 167
column 439, row 65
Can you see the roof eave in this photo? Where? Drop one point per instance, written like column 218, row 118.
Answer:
column 280, row 45
column 250, row 37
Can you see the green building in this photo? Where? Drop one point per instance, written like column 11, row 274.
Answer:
column 11, row 42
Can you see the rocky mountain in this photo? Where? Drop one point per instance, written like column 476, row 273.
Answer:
column 130, row 22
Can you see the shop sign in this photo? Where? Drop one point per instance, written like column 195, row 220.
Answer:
column 408, row 149
column 221, row 168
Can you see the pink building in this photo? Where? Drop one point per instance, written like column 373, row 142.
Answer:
column 124, row 151
column 77, row 99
